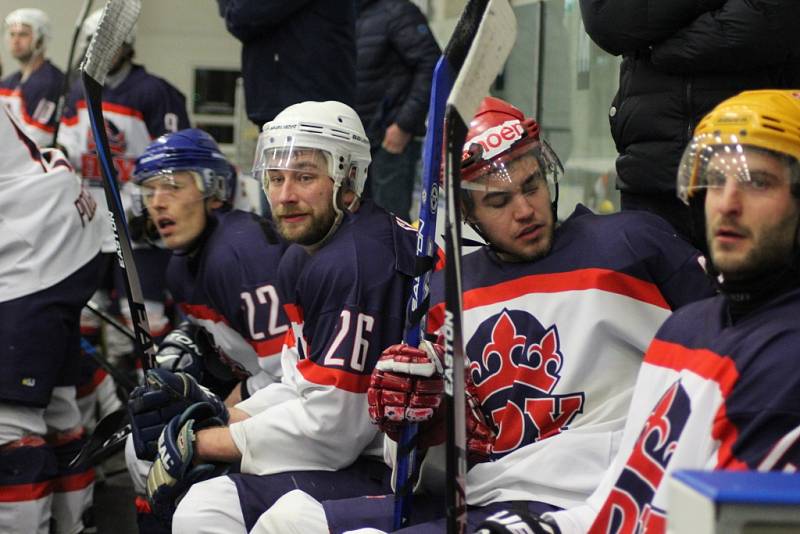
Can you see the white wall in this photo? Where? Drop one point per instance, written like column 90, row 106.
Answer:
column 173, row 37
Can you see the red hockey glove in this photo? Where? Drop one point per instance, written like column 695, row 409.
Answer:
column 406, row 387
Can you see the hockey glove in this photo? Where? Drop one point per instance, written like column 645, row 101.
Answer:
column 508, row 522
column 184, row 349
column 173, row 471
column 406, row 387
column 164, row 396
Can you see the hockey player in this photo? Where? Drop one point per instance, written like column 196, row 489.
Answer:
column 719, row 388
column 344, row 287
column 222, row 275
column 224, row 266
column 50, row 236
column 137, row 107
column 556, row 321
column 32, row 92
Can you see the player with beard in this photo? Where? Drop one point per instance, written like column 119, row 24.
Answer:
column 344, row 285
column 33, row 91
column 556, row 321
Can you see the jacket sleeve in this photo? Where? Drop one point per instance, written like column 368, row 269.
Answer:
column 625, row 26
column 249, row 19
column 740, row 36
column 411, row 37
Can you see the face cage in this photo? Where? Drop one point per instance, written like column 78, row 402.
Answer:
column 708, row 156
column 209, row 183
column 473, row 177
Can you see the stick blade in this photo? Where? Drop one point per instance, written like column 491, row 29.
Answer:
column 493, row 42
column 116, row 23
column 108, row 437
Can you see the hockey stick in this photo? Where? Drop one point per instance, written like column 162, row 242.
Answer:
column 118, row 19
column 447, row 67
column 485, row 56
column 108, row 437
column 127, row 332
column 119, row 377
column 405, row 459
column 62, row 97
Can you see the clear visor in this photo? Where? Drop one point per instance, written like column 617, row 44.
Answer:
column 277, row 160
column 527, row 163
column 712, row 161
column 171, row 186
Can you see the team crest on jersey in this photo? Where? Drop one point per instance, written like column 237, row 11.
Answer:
column 118, row 145
column 515, row 365
column 629, row 509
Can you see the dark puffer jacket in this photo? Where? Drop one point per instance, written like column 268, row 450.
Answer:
column 293, row 51
column 680, row 59
column 396, row 56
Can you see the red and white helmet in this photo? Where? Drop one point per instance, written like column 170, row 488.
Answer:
column 37, row 20
column 499, row 133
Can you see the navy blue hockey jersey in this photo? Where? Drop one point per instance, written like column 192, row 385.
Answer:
column 228, row 286
column 710, row 395
column 33, row 102
column 346, row 303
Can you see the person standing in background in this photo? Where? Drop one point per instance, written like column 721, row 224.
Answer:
column 679, row 60
column 396, row 57
column 293, row 52
column 31, row 93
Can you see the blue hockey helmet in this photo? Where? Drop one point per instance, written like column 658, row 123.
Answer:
column 191, row 150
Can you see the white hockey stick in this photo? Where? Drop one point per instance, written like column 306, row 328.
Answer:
column 485, row 57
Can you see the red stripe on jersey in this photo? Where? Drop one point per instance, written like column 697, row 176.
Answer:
column 115, row 108
column 70, row 121
column 26, row 492
column 294, row 313
column 327, row 376
column 7, row 92
column 203, row 312
column 75, row 482
column 268, row 347
column 710, row 366
column 582, row 279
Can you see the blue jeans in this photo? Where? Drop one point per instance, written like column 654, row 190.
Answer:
column 391, row 178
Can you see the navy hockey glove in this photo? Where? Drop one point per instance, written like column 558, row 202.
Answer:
column 173, row 471
column 508, row 522
column 184, row 349
column 164, row 396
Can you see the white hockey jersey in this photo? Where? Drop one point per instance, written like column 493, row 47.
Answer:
column 554, row 347
column 49, row 226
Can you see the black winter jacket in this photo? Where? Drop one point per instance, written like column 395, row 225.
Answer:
column 680, row 59
column 293, row 51
column 396, row 57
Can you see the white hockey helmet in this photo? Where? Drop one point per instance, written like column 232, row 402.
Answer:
column 91, row 23
column 332, row 128
column 38, row 21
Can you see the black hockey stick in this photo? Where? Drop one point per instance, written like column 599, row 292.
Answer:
column 116, row 22
column 118, row 19
column 62, row 97
column 108, row 437
column 485, row 55
column 127, row 332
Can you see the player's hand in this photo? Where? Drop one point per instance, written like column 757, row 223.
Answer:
column 184, row 349
column 508, row 522
column 173, row 471
column 406, row 387
column 164, row 396
column 480, row 435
